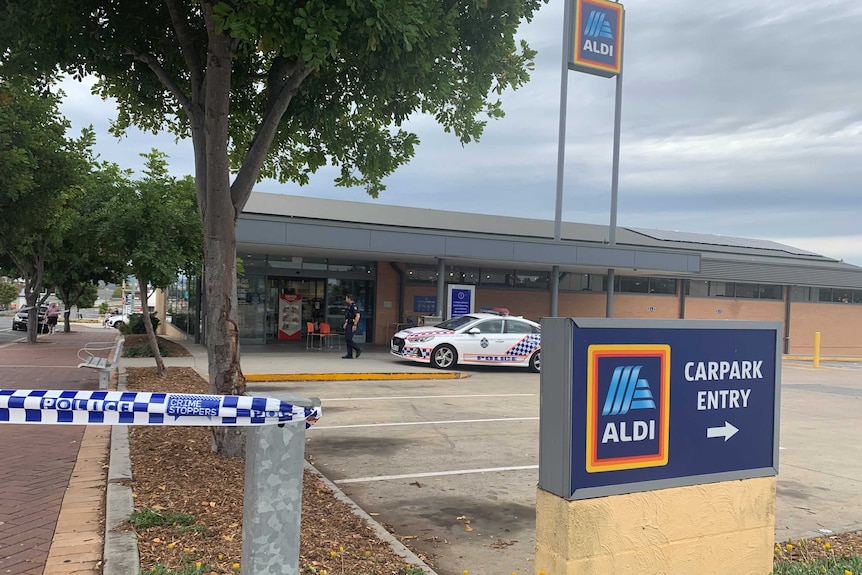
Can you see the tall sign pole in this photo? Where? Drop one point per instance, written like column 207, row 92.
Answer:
column 593, row 44
column 615, row 174
column 561, row 149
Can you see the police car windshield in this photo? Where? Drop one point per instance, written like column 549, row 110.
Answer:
column 456, row 322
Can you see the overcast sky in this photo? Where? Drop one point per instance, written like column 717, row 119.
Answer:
column 739, row 118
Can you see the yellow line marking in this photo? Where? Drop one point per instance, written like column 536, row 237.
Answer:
column 349, row 376
column 822, row 358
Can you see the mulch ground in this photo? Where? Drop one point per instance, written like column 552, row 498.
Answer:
column 175, row 471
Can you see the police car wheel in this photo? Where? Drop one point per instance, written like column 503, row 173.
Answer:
column 444, row 356
column 536, row 361
column 119, row 325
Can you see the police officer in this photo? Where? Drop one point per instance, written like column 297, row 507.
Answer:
column 351, row 320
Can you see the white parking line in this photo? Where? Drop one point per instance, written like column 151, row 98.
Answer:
column 435, row 474
column 394, row 397
column 450, row 421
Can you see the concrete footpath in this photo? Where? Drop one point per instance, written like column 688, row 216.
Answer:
column 54, row 478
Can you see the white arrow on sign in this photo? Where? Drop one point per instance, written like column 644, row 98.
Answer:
column 726, row 431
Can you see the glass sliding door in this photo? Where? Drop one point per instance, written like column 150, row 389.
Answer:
column 311, row 292
column 363, row 291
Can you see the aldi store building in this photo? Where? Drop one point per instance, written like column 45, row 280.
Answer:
column 312, row 252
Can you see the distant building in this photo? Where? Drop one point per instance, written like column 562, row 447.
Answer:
column 391, row 258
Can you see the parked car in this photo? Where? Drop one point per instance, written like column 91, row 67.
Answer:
column 22, row 318
column 478, row 339
column 117, row 321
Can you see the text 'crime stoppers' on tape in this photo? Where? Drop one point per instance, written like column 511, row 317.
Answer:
column 146, row 408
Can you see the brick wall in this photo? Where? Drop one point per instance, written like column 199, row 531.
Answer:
column 733, row 308
column 839, row 324
column 388, row 285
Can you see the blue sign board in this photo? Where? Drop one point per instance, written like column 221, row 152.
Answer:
column 657, row 404
column 425, row 304
column 597, row 37
column 461, row 302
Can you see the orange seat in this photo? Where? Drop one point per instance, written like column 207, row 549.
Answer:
column 327, row 334
column 311, row 334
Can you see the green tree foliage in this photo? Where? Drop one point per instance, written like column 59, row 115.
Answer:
column 83, row 256
column 276, row 88
column 8, row 294
column 155, row 226
column 40, row 171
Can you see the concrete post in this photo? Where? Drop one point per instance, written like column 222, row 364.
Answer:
column 274, row 461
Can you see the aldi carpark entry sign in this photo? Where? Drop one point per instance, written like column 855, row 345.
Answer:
column 638, row 405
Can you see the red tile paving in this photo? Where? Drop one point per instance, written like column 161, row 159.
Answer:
column 38, row 459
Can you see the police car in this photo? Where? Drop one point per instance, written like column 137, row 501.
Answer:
column 477, row 339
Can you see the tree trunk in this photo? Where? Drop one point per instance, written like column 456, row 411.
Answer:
column 219, row 220
column 33, row 325
column 148, row 326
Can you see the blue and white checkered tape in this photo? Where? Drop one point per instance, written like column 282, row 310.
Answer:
column 146, row 408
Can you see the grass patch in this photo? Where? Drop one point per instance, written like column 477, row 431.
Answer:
column 188, row 569
column 850, row 565
column 146, row 518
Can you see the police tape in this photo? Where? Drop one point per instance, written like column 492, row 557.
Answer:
column 146, row 408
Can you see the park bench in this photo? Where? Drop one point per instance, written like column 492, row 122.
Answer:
column 105, row 365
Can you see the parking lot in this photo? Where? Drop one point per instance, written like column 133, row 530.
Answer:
column 452, row 465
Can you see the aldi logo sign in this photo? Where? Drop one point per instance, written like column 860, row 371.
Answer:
column 637, row 405
column 628, row 405
column 597, row 37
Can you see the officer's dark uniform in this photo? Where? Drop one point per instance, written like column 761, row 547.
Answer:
column 349, row 330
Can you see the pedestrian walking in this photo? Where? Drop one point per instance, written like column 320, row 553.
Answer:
column 52, row 315
column 351, row 320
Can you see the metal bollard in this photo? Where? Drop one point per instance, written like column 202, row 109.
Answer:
column 816, row 349
column 274, row 462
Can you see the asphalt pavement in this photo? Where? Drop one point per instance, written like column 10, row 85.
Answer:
column 450, row 464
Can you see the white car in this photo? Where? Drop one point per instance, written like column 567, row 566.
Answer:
column 476, row 339
column 117, row 321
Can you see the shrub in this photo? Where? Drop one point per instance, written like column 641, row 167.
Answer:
column 136, row 323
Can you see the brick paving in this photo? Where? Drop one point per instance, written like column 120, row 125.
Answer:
column 38, row 460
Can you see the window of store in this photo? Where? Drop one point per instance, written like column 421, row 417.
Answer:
column 701, row 288
column 667, row 286
column 532, row 280
column 422, row 275
column 697, row 288
column 800, row 293
column 748, row 291
column 842, row 295
column 766, row 291
column 496, row 278
column 646, row 285
column 625, row 284
column 575, row 282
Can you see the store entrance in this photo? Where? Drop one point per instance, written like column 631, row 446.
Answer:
column 290, row 304
column 293, row 302
column 363, row 292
